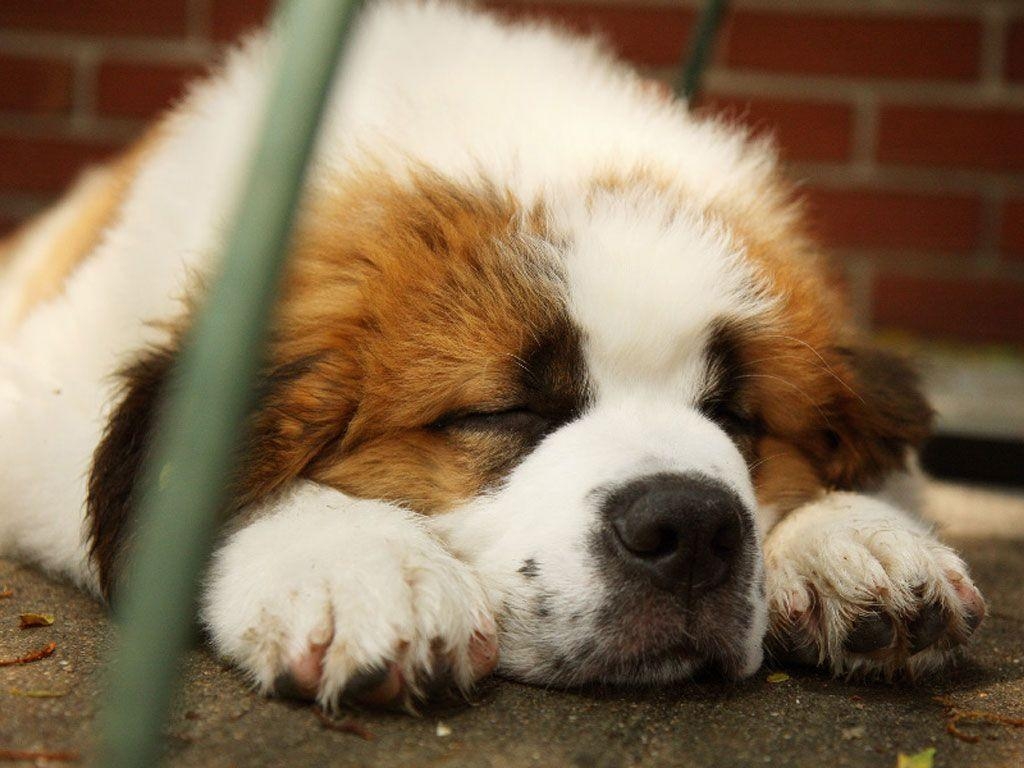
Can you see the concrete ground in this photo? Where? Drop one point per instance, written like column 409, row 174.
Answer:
column 805, row 720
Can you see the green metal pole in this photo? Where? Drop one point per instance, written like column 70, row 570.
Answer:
column 184, row 485
column 701, row 46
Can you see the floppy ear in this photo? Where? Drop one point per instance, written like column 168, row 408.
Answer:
column 301, row 407
column 877, row 416
column 117, row 460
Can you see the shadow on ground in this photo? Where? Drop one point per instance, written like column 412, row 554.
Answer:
column 806, row 720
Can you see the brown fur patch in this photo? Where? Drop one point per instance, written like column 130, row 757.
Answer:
column 459, row 313
column 412, row 319
column 827, row 416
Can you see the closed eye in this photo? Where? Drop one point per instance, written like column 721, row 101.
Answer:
column 731, row 419
column 520, row 420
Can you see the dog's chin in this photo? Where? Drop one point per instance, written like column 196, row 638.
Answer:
column 674, row 664
column 647, row 666
column 650, row 641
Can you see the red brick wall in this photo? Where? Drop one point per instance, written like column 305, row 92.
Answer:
column 904, row 121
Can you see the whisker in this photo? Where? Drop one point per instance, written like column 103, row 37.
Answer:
column 824, row 362
column 523, row 365
column 763, row 459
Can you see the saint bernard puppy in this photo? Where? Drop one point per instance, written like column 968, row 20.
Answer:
column 556, row 386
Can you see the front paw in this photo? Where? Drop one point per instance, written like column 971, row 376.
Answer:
column 858, row 587
column 337, row 600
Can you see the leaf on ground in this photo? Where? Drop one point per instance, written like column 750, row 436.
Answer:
column 348, row 725
column 956, row 715
column 923, row 759
column 38, row 694
column 778, row 677
column 29, row 620
column 39, row 655
column 37, row 755
column 6, row 592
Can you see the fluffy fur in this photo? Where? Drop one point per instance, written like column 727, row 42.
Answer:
column 521, row 281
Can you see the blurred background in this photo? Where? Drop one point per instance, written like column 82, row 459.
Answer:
column 903, row 121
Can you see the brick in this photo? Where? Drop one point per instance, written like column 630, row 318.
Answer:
column 41, row 165
column 231, row 18
column 1011, row 240
column 1015, row 51
column 648, row 35
column 876, row 46
column 987, row 138
column 985, row 310
column 131, row 89
column 871, row 218
column 35, row 84
column 804, row 130
column 160, row 18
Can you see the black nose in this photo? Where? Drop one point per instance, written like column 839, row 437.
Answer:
column 684, row 533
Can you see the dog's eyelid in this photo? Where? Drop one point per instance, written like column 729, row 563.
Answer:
column 728, row 413
column 486, row 417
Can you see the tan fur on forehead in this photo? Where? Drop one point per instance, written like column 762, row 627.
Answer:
column 429, row 292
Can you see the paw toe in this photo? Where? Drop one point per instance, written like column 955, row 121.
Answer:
column 791, row 647
column 286, row 686
column 301, row 679
column 367, row 681
column 926, row 628
column 871, row 632
column 377, row 687
column 973, row 604
column 483, row 653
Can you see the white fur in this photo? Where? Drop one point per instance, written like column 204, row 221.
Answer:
column 362, row 577
column 685, row 266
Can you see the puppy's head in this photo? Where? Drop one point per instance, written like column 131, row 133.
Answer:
column 598, row 399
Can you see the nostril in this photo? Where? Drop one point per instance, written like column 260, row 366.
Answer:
column 645, row 539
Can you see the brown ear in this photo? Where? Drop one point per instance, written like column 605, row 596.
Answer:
column 300, row 409
column 117, row 460
column 879, row 413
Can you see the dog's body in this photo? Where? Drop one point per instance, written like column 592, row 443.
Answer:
column 554, row 365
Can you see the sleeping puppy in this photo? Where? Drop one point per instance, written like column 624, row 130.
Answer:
column 556, row 386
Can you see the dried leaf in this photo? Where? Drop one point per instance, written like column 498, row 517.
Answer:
column 955, row 715
column 857, row 732
column 778, row 677
column 38, row 694
column 923, row 759
column 36, row 755
column 6, row 592
column 348, row 725
column 29, row 620
column 39, row 655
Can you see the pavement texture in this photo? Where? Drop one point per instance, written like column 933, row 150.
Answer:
column 804, row 720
